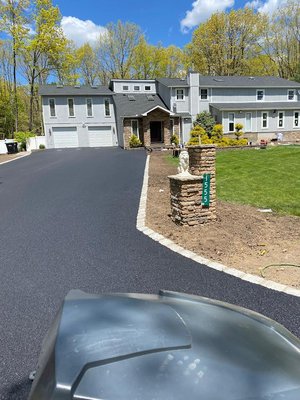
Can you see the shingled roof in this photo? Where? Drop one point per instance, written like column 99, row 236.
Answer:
column 80, row 90
column 246, row 81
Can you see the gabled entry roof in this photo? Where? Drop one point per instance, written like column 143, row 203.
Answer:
column 157, row 108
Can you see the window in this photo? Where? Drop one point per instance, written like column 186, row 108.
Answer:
column 203, row 94
column 260, row 95
column 135, row 127
column 71, row 107
column 231, row 122
column 264, row 116
column 107, row 107
column 179, row 94
column 89, row 107
column 52, row 107
column 125, row 88
column 291, row 95
column 296, row 119
column 280, row 119
column 172, row 126
column 136, row 88
column 147, row 88
column 248, row 124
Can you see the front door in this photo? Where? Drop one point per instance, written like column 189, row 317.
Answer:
column 156, row 131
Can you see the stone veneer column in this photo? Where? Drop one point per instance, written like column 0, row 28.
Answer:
column 186, row 191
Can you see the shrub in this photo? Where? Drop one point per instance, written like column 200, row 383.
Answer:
column 134, row 141
column 238, row 130
column 195, row 133
column 42, row 147
column 242, row 142
column 217, row 133
column 175, row 139
column 206, row 121
column 22, row 137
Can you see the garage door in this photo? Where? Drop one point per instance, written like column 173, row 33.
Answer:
column 65, row 137
column 100, row 136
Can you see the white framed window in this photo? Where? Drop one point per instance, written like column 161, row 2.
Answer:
column 230, row 122
column 280, row 119
column 147, row 88
column 125, row 88
column 107, row 107
column 135, row 127
column 180, row 94
column 136, row 88
column 52, row 107
column 172, row 126
column 89, row 107
column 296, row 119
column 71, row 108
column 260, row 94
column 248, row 122
column 264, row 119
column 291, row 95
column 203, row 94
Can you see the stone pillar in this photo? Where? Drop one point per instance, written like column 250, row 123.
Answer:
column 186, row 190
column 202, row 160
column 186, row 199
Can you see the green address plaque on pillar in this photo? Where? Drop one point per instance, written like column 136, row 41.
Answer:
column 206, row 190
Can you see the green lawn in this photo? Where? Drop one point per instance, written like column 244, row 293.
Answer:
column 267, row 178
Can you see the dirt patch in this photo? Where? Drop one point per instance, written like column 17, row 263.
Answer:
column 7, row 157
column 242, row 237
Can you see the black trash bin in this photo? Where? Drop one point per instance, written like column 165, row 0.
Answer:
column 12, row 148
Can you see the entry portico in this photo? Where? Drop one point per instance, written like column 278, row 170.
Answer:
column 152, row 123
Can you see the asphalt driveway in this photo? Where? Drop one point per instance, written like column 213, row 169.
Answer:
column 68, row 221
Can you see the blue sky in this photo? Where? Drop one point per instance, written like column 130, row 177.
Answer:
column 166, row 21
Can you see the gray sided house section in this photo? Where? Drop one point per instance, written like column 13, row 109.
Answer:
column 79, row 129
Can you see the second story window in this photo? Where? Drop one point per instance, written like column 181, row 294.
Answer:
column 179, row 94
column 107, row 107
column 52, row 107
column 89, row 107
column 136, row 88
column 125, row 88
column 147, row 88
column 71, row 108
column 291, row 94
column 203, row 94
column 260, row 95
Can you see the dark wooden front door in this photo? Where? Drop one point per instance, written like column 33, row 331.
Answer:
column 156, row 131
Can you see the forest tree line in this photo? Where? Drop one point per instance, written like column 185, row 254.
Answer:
column 34, row 50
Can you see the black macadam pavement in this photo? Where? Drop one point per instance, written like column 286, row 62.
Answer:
column 68, row 221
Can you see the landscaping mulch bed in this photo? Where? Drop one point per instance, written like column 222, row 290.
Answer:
column 7, row 157
column 242, row 237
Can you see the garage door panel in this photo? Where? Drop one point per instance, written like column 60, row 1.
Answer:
column 65, row 137
column 100, row 136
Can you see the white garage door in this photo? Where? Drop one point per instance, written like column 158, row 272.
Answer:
column 65, row 137
column 100, row 136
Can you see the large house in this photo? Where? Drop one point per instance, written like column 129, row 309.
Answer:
column 96, row 116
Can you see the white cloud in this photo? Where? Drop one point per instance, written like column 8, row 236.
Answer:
column 81, row 31
column 201, row 11
column 270, row 6
column 255, row 4
column 267, row 7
